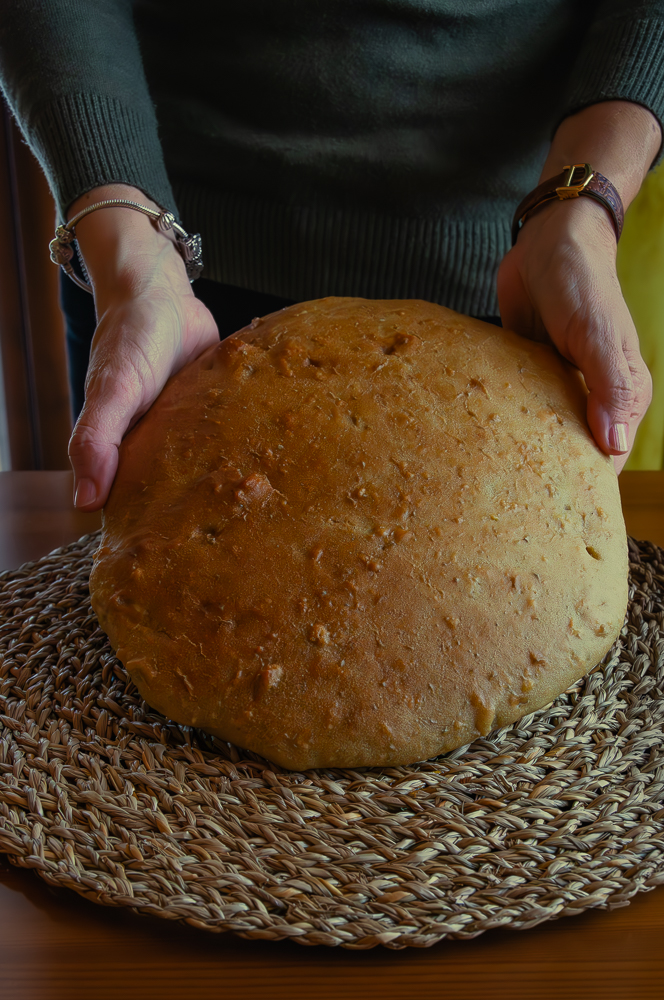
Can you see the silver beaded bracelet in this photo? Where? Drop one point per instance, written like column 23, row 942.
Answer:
column 62, row 251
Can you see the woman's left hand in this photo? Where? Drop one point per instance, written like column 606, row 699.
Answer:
column 559, row 284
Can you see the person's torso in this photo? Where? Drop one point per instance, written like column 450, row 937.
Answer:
column 395, row 105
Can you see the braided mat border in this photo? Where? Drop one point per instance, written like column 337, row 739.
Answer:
column 558, row 813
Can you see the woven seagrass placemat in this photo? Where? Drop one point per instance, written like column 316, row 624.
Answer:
column 557, row 813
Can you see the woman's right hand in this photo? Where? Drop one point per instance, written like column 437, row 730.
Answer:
column 150, row 325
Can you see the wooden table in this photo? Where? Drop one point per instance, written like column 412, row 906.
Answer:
column 54, row 944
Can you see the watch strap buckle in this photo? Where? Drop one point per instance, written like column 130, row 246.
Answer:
column 572, row 185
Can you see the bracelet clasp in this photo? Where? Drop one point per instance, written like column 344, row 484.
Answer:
column 189, row 245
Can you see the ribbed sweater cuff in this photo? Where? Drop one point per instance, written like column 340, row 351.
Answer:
column 622, row 60
column 85, row 140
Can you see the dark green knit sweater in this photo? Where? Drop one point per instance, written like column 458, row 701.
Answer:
column 349, row 147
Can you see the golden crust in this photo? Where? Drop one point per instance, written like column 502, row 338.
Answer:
column 362, row 533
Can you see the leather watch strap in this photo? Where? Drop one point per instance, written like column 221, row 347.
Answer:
column 574, row 181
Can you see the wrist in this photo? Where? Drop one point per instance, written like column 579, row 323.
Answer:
column 617, row 138
column 123, row 250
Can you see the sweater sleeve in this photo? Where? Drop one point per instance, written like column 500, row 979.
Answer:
column 622, row 58
column 72, row 73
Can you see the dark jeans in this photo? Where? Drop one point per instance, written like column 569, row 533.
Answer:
column 231, row 307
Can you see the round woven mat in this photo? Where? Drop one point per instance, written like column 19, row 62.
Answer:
column 557, row 813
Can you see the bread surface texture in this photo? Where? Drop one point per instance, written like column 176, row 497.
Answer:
column 362, row 533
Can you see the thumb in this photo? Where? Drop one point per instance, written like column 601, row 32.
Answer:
column 606, row 350
column 94, row 444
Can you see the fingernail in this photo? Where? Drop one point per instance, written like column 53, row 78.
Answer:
column 618, row 437
column 86, row 493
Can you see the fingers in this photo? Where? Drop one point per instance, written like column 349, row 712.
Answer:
column 560, row 284
column 620, row 387
column 136, row 348
column 603, row 344
column 593, row 329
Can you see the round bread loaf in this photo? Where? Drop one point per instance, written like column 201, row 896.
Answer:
column 362, row 533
